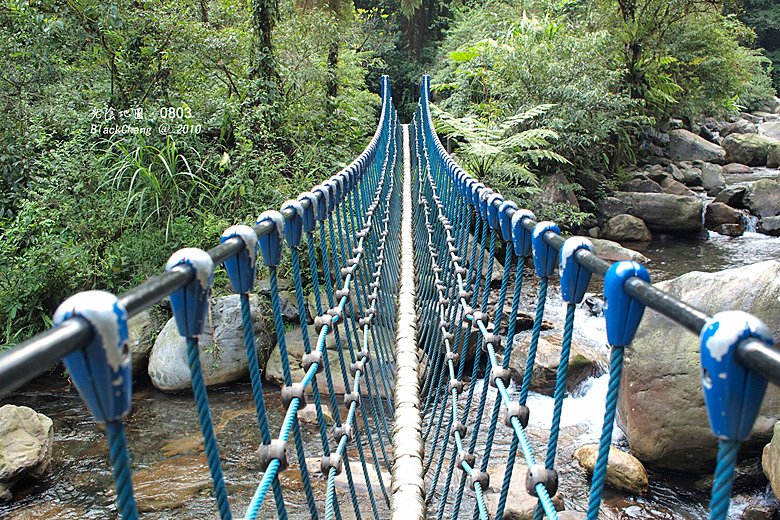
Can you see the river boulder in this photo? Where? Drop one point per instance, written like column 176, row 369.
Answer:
column 770, row 129
column 750, row 149
column 626, row 228
column 141, row 329
column 664, row 213
column 733, row 196
column 661, row 406
column 740, row 126
column 712, row 179
column 614, row 252
column 584, row 362
column 222, row 352
column 26, row 440
column 624, row 471
column 642, row 184
column 770, row 460
column 673, row 187
column 736, row 168
column 687, row 146
column 762, row 198
column 719, row 213
column 769, row 226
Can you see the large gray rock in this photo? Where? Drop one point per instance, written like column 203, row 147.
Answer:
column 222, row 351
column 770, row 129
column 584, row 362
column 614, row 252
column 690, row 172
column 661, row 406
column 750, row 149
column 769, row 226
column 673, row 187
column 733, row 196
column 609, row 207
column 626, row 228
column 740, row 126
column 664, row 213
column 554, row 190
column 712, row 179
column 624, row 471
column 773, row 157
column 687, row 146
column 141, row 329
column 642, row 185
column 762, row 198
column 26, row 439
column 770, row 460
column 736, row 168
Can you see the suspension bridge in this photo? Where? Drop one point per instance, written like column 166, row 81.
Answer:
column 401, row 302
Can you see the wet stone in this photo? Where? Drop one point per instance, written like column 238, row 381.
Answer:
column 170, row 483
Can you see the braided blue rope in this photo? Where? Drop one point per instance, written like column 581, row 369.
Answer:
column 530, row 360
column 724, row 478
column 257, row 393
column 123, row 477
column 207, row 428
column 281, row 340
column 560, row 392
column 600, row 470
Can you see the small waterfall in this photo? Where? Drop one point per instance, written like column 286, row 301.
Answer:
column 748, row 221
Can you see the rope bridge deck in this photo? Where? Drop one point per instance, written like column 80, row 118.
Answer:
column 401, row 302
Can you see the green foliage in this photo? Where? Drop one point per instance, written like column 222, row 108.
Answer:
column 501, row 151
column 81, row 210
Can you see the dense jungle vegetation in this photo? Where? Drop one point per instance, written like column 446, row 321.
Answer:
column 131, row 128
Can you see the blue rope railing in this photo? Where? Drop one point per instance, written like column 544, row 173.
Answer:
column 449, row 204
column 351, row 215
column 455, row 230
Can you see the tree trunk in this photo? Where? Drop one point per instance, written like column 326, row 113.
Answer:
column 204, row 11
column 264, row 14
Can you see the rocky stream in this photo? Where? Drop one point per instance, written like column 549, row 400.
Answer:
column 695, row 206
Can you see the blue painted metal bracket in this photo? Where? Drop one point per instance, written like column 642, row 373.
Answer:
column 101, row 371
column 732, row 393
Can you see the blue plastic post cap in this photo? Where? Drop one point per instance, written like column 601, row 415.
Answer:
column 468, row 189
column 190, row 303
column 521, row 237
column 483, row 203
column 271, row 243
column 476, row 190
column 102, row 371
column 732, row 393
column 505, row 220
column 494, row 202
column 622, row 312
column 242, row 267
column 575, row 278
column 545, row 256
column 293, row 226
column 332, row 188
column 309, row 217
column 323, row 201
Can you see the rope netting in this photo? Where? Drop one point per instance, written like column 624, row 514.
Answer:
column 404, row 244
column 348, row 224
column 460, row 225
